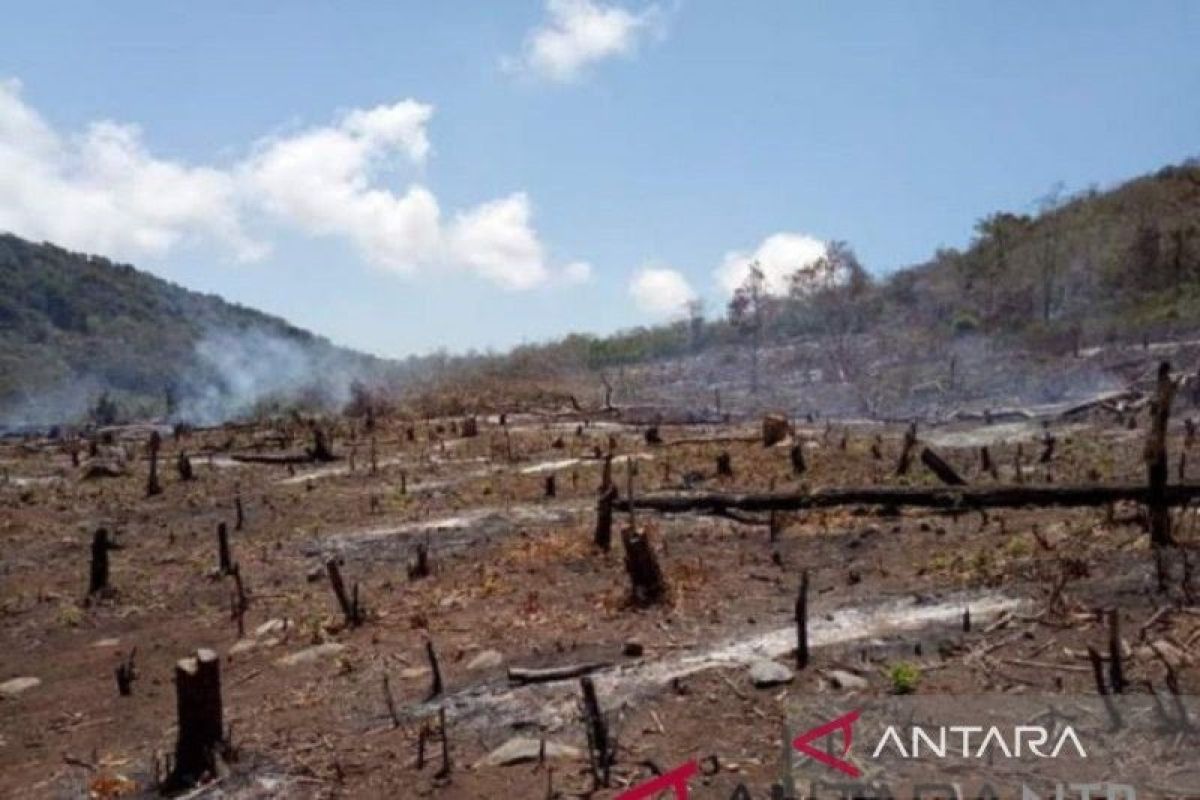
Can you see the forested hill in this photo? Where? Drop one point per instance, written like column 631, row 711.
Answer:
column 77, row 329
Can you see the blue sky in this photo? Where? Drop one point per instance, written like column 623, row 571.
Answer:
column 408, row 176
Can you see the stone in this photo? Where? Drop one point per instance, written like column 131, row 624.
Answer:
column 487, row 659
column 15, row 686
column 843, row 679
column 765, row 673
column 522, row 749
column 311, row 654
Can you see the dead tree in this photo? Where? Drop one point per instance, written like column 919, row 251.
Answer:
column 724, row 464
column 183, row 465
column 910, row 441
column 201, row 724
column 946, row 473
column 126, row 674
column 602, row 750
column 1156, row 457
column 802, row 622
column 101, row 545
column 602, row 537
column 647, row 584
column 153, row 487
column 797, row 456
column 224, row 560
column 351, row 609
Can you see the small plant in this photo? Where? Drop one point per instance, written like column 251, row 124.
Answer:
column 904, row 677
column 70, row 615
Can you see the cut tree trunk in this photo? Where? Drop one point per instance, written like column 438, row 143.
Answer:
column 201, row 726
column 647, row 584
column 1156, row 458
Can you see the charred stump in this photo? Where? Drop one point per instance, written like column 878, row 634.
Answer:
column 797, row 457
column 601, row 750
column 183, row 465
column 802, row 622
column 1156, row 457
column 652, row 435
column 774, row 429
column 550, row 486
column 201, row 725
column 349, row 604
column 126, row 674
column 910, row 441
column 604, row 518
column 153, row 487
column 101, row 545
column 724, row 465
column 320, row 450
column 647, row 584
column 470, row 427
column 224, row 560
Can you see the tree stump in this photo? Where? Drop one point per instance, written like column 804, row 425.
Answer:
column 647, row 584
column 724, row 464
column 774, row 429
column 604, row 518
column 201, row 724
column 910, row 441
column 652, row 435
column 1156, row 457
column 183, row 465
column 551, row 486
column 98, row 580
column 470, row 427
column 797, row 457
column 802, row 622
column 224, row 560
column 320, row 450
column 153, row 487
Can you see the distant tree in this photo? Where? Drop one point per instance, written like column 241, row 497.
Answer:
column 695, row 317
column 747, row 314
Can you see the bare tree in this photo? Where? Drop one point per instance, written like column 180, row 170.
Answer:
column 748, row 312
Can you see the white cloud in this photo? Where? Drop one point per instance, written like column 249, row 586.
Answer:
column 321, row 181
column 779, row 255
column 102, row 191
column 661, row 291
column 577, row 272
column 495, row 240
column 577, row 33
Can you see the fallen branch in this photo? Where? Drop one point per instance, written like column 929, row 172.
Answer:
column 548, row 674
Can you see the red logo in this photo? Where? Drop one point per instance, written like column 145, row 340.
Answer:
column 675, row 780
column 845, row 724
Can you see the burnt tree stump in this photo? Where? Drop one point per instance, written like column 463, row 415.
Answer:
column 201, row 724
column 419, row 567
column 551, row 486
column 183, row 466
column 604, row 518
column 470, row 427
column 153, row 487
column 910, row 441
column 647, row 584
column 802, row 622
column 601, row 750
column 724, row 464
column 1156, row 457
column 652, row 435
column 774, row 429
column 101, row 545
column 797, row 456
column 986, row 464
column 349, row 604
column 321, row 450
column 224, row 560
column 126, row 674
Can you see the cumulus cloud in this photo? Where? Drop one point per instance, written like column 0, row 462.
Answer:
column 577, row 33
column 779, row 255
column 103, row 191
column 660, row 291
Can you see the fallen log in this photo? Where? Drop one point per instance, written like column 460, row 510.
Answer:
column 940, row 497
column 938, row 466
column 274, row 458
column 549, row 674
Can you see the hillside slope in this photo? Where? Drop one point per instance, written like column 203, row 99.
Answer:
column 73, row 326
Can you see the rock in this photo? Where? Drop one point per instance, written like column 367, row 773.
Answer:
column 12, row 688
column 272, row 626
column 522, row 749
column 242, row 646
column 765, row 673
column 310, row 654
column 488, row 659
column 842, row 679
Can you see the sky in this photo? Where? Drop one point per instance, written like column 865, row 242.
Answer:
column 406, row 177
